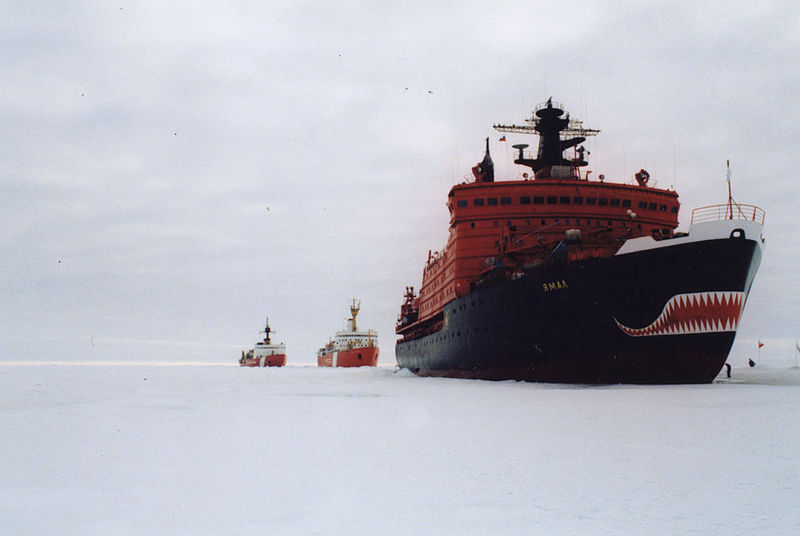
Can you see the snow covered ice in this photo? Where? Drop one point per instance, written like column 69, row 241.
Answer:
column 307, row 450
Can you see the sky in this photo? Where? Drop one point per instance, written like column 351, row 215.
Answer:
column 174, row 172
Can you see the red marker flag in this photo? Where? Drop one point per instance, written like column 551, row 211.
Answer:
column 760, row 344
column 503, row 138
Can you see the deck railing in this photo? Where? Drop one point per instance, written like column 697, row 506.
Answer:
column 728, row 211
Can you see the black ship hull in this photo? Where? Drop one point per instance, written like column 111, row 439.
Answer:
column 656, row 316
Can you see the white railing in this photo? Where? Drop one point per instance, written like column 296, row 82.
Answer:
column 728, row 211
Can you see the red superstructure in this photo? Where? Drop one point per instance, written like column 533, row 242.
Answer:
column 518, row 225
column 350, row 347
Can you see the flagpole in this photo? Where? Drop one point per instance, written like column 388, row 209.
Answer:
column 730, row 197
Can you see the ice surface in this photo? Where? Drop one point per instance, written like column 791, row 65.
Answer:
column 306, row 450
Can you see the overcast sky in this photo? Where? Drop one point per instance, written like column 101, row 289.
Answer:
column 173, row 172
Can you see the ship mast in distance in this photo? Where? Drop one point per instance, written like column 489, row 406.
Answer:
column 354, row 308
column 547, row 123
column 267, row 331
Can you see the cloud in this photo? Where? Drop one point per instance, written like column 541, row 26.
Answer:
column 142, row 145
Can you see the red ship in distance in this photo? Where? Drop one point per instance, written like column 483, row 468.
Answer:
column 350, row 347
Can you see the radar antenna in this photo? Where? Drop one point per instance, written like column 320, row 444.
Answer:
column 574, row 128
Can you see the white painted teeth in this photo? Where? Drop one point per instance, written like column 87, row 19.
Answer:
column 696, row 312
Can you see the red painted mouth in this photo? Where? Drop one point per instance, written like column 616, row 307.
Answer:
column 697, row 312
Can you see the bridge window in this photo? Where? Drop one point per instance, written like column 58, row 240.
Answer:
column 614, row 202
column 462, row 203
column 538, row 200
column 591, row 200
column 564, row 200
column 642, row 204
column 505, row 200
column 626, row 203
column 602, row 202
column 477, row 202
column 651, row 206
column 662, row 208
column 492, row 201
column 524, row 200
column 674, row 210
column 552, row 200
column 577, row 200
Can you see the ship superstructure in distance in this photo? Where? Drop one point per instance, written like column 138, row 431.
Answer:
column 350, row 347
column 265, row 353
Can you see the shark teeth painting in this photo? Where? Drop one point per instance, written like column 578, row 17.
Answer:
column 696, row 312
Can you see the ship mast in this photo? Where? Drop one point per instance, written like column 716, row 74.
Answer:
column 267, row 331
column 354, row 308
column 547, row 123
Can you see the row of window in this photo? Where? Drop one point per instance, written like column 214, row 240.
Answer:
column 574, row 221
column 567, row 200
